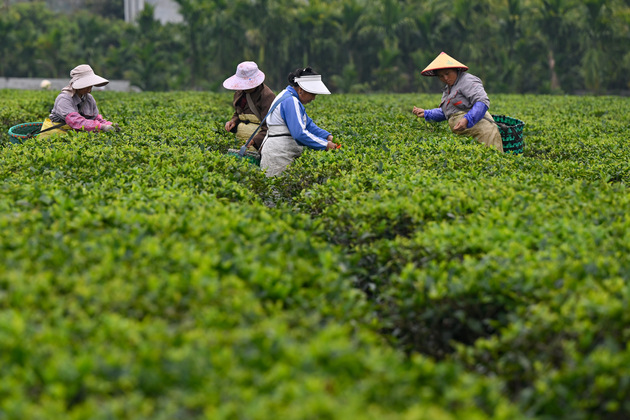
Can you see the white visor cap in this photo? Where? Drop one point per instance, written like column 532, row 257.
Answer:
column 312, row 84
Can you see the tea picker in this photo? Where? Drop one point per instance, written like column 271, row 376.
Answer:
column 465, row 106
column 254, row 156
column 290, row 128
column 251, row 103
column 74, row 109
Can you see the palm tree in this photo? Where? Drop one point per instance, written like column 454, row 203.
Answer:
column 196, row 15
column 597, row 40
column 554, row 22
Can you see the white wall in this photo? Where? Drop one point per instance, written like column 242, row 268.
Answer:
column 56, row 85
column 132, row 9
column 164, row 10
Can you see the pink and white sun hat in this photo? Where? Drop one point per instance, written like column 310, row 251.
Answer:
column 247, row 76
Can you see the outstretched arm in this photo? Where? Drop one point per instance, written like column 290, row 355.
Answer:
column 306, row 133
column 435, row 114
column 78, row 122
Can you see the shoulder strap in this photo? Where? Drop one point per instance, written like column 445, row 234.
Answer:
column 252, row 107
column 244, row 147
column 500, row 125
column 36, row 132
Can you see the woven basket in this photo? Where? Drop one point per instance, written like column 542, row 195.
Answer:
column 511, row 131
column 24, row 131
column 250, row 156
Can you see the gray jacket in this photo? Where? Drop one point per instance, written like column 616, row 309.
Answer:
column 66, row 104
column 467, row 90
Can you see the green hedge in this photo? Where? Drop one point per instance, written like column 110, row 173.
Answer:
column 410, row 274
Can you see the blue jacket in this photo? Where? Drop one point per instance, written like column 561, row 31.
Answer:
column 291, row 112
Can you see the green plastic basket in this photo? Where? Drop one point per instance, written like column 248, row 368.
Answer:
column 24, row 131
column 511, row 130
column 250, row 156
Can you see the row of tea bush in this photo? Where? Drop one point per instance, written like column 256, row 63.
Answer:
column 410, row 274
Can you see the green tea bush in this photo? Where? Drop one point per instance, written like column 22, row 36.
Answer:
column 412, row 273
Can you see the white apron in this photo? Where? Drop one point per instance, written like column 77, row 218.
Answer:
column 278, row 150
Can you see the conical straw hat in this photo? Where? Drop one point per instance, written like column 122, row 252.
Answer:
column 442, row 61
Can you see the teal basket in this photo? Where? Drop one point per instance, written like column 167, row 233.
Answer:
column 21, row 132
column 250, row 156
column 511, row 131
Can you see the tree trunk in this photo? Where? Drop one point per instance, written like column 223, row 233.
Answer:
column 555, row 84
column 194, row 57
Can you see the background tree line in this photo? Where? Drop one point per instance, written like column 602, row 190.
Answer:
column 515, row 46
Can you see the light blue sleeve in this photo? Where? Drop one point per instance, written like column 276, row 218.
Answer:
column 291, row 111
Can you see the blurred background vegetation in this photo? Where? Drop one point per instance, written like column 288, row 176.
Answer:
column 515, row 46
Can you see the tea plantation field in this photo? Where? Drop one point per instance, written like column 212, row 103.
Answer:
column 412, row 274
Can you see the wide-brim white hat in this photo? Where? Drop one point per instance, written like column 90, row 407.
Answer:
column 247, row 76
column 312, row 84
column 83, row 76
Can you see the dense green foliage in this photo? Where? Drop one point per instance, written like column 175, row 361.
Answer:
column 410, row 274
column 540, row 46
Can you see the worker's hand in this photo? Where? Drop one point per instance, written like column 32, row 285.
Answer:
column 419, row 112
column 331, row 145
column 229, row 126
column 107, row 128
column 461, row 125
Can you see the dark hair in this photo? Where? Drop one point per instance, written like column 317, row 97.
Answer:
column 306, row 71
